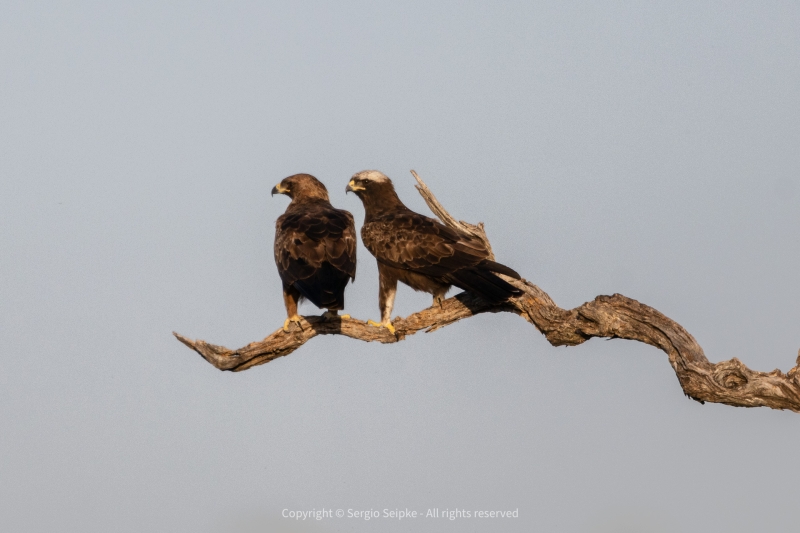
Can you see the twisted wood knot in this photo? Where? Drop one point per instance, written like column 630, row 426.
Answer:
column 731, row 374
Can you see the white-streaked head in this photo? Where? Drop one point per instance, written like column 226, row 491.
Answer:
column 361, row 180
column 376, row 191
column 371, row 175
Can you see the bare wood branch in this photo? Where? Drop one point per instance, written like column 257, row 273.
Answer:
column 729, row 382
column 447, row 219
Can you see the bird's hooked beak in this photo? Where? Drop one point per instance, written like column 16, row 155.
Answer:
column 279, row 189
column 352, row 187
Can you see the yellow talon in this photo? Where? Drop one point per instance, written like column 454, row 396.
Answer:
column 345, row 317
column 296, row 319
column 388, row 325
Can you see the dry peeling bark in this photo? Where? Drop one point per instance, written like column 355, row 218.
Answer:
column 729, row 382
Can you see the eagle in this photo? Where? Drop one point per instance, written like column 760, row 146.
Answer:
column 315, row 248
column 422, row 252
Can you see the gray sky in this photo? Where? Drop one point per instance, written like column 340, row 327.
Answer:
column 647, row 150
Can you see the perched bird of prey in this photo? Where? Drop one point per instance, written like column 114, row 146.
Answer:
column 421, row 252
column 315, row 248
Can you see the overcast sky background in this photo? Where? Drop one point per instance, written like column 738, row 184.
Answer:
column 632, row 148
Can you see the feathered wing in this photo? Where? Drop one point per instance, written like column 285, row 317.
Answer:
column 315, row 251
column 414, row 242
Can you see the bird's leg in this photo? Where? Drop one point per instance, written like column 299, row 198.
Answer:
column 438, row 297
column 290, row 299
column 386, row 294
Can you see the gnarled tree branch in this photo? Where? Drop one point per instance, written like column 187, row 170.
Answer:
column 729, row 382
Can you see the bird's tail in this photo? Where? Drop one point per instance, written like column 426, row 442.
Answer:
column 482, row 279
column 497, row 267
column 325, row 288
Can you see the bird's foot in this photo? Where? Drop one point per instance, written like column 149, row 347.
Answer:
column 296, row 319
column 438, row 301
column 388, row 325
column 334, row 314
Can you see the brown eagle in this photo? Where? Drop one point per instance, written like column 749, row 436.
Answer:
column 421, row 252
column 315, row 247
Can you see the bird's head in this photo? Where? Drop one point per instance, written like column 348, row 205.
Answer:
column 301, row 187
column 367, row 181
column 375, row 189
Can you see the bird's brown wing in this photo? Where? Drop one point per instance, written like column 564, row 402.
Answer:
column 415, row 242
column 315, row 250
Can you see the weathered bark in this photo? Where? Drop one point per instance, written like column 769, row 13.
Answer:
column 729, row 382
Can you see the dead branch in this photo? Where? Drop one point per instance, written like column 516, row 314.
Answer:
column 729, row 382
